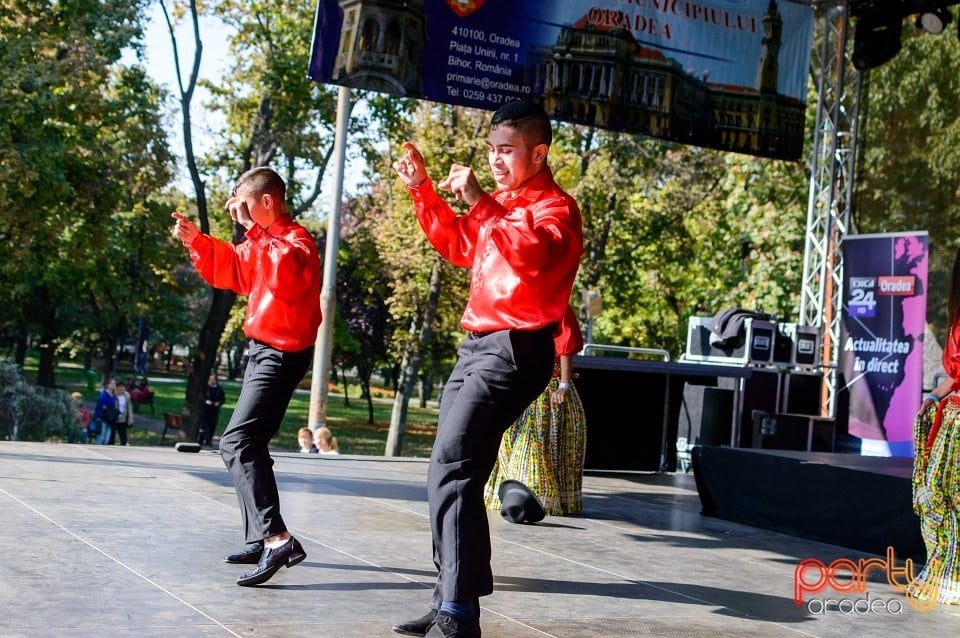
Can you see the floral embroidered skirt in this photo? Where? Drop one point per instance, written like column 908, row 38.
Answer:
column 544, row 450
column 936, row 500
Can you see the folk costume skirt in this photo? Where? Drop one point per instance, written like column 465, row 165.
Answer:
column 544, row 450
column 936, row 500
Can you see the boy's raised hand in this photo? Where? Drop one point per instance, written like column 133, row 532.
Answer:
column 410, row 167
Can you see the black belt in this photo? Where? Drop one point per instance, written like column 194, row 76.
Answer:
column 273, row 347
column 551, row 328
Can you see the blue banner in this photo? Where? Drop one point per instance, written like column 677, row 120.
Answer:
column 726, row 74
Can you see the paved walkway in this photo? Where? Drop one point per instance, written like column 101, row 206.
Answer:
column 127, row 542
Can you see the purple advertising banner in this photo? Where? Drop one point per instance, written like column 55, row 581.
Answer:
column 726, row 74
column 881, row 353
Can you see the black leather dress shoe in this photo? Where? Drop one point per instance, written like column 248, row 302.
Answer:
column 416, row 627
column 446, row 626
column 249, row 555
column 289, row 554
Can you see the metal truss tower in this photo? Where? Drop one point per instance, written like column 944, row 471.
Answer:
column 831, row 182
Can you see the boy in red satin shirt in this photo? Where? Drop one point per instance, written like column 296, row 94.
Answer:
column 278, row 267
column 523, row 244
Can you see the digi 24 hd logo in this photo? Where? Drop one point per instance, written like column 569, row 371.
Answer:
column 862, row 300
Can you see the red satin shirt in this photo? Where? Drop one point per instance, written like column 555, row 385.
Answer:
column 568, row 339
column 278, row 268
column 524, row 247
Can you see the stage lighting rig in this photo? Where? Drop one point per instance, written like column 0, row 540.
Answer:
column 905, row 8
column 935, row 20
column 879, row 23
column 876, row 40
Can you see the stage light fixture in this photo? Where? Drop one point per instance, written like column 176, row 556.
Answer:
column 876, row 40
column 935, row 21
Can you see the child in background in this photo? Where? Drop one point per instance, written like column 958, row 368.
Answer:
column 305, row 437
column 84, row 413
column 325, row 441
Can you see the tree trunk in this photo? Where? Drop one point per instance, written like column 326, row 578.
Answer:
column 346, row 392
column 426, row 388
column 47, row 343
column 20, row 354
column 216, row 321
column 366, row 386
column 46, row 363
column 204, row 358
column 109, row 349
column 410, row 366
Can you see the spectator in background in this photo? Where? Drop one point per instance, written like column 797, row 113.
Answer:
column 83, row 413
column 305, row 438
column 141, row 393
column 106, row 412
column 211, row 410
column 143, row 355
column 325, row 441
column 124, row 413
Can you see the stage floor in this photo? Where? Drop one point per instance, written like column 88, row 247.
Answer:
column 128, row 542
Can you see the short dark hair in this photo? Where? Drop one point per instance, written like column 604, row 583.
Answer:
column 526, row 117
column 263, row 180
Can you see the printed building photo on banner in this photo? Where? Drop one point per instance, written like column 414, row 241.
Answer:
column 881, row 345
column 714, row 73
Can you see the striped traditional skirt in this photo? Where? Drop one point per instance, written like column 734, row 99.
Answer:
column 936, row 500
column 544, row 449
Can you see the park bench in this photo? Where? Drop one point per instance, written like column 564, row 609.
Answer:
column 142, row 398
column 171, row 422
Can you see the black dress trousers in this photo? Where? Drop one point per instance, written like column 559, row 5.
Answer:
column 497, row 375
column 268, row 384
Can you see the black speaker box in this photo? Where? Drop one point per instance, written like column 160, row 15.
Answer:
column 773, row 431
column 800, row 393
column 797, row 345
column 716, row 416
column 783, row 344
column 706, row 414
column 760, row 392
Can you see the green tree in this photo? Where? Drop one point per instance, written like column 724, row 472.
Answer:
column 428, row 294
column 274, row 116
column 907, row 174
column 82, row 143
column 674, row 231
column 670, row 231
column 362, row 290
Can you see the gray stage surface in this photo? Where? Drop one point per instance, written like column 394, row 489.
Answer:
column 128, row 541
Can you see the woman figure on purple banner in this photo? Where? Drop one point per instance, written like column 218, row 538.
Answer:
column 936, row 470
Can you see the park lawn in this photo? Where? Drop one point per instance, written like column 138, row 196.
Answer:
column 348, row 422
